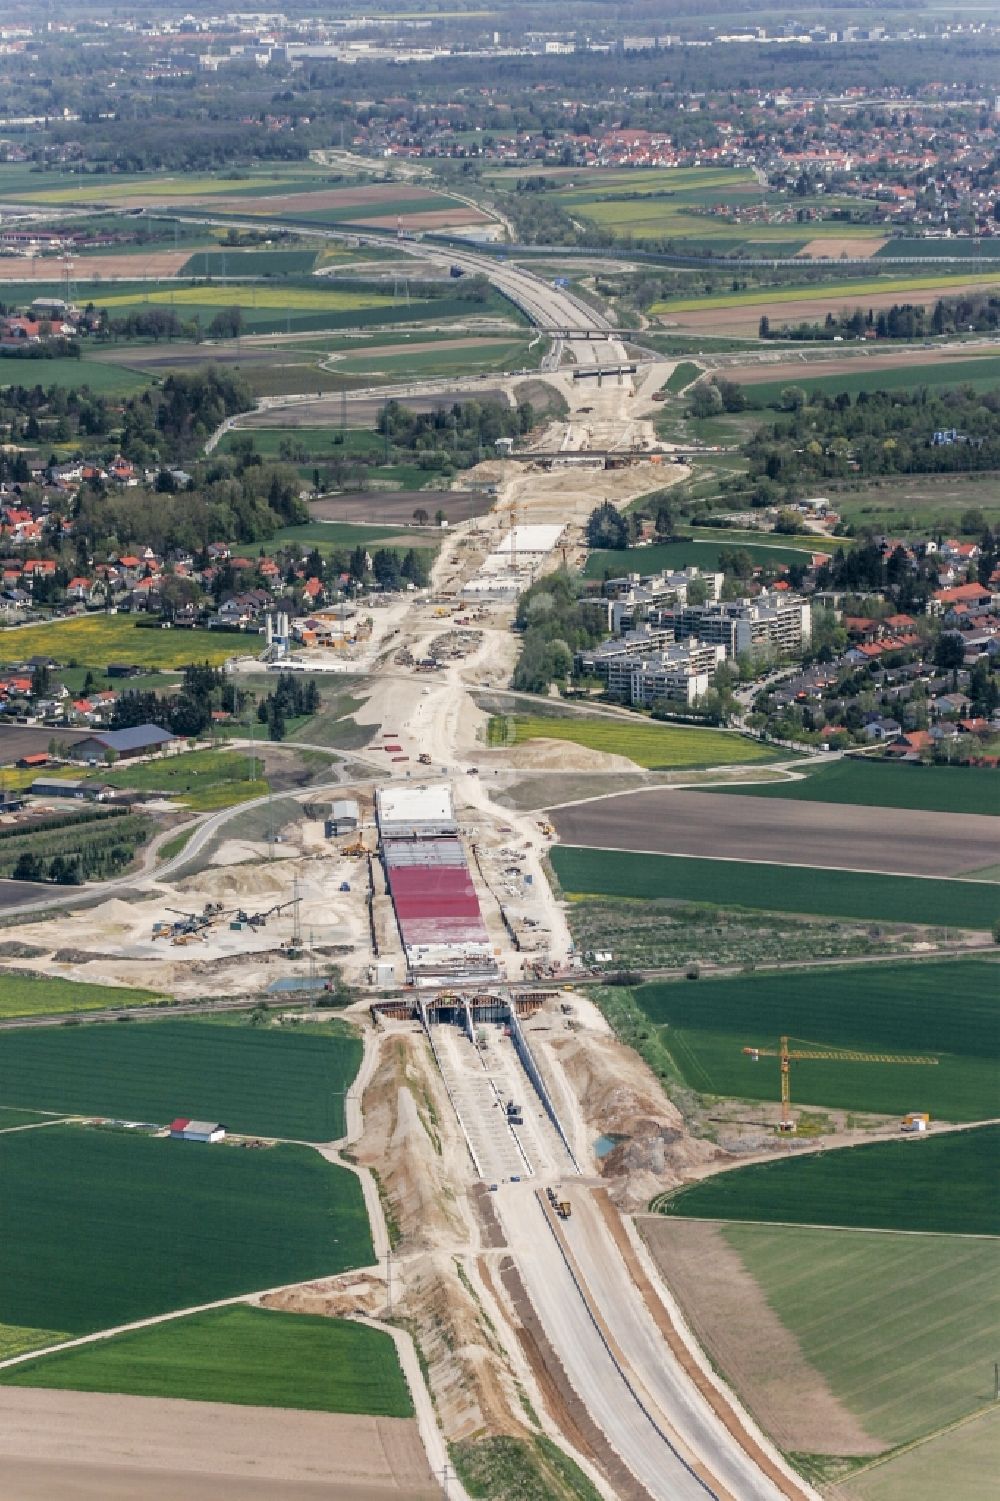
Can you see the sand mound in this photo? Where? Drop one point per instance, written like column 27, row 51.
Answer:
column 559, row 755
column 236, row 880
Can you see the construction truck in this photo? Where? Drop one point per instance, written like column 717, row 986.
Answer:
column 564, row 1209
column 914, row 1122
column 424, row 758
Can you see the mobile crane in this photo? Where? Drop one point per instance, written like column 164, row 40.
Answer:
column 817, row 1051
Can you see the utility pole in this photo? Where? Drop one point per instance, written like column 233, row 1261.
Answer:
column 445, row 1473
column 388, row 1279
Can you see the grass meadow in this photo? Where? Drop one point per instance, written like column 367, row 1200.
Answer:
column 779, row 888
column 95, row 640
column 961, row 1461
column 204, row 780
column 877, row 784
column 682, row 375
column 871, row 1311
column 650, row 745
column 104, row 1227
column 943, row 1010
column 266, row 1081
column 26, row 994
column 942, row 1184
column 72, row 375
column 251, row 1356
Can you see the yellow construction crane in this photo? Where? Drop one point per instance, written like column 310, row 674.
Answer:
column 816, row 1050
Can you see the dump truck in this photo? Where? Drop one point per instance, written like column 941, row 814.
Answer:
column 564, row 1209
column 424, row 758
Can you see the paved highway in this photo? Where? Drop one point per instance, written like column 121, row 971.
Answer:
column 632, row 1431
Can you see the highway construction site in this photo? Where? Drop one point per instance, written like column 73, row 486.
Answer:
column 488, row 1079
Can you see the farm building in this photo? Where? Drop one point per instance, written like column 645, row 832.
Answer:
column 183, row 1129
column 141, row 740
column 345, row 815
column 65, row 787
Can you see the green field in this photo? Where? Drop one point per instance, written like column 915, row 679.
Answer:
column 945, row 1184
column 449, row 359
column 294, row 306
column 871, row 1311
column 801, row 542
column 328, row 536
column 57, row 187
column 931, row 250
column 321, row 298
column 317, row 443
column 10, row 1118
column 225, row 260
column 95, row 640
column 251, row 1356
column 959, row 1463
column 769, row 297
column 102, row 378
column 696, row 552
column 877, row 784
column 943, row 1010
column 204, row 780
column 270, row 1081
column 650, row 745
column 39, row 995
column 105, row 1227
column 872, row 375
column 682, row 375
column 779, row 888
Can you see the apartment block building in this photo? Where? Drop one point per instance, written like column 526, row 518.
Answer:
column 680, row 674
column 774, row 618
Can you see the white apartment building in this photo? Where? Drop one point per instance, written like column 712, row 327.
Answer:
column 680, row 674
column 774, row 618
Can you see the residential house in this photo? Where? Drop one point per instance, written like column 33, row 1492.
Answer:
column 880, row 729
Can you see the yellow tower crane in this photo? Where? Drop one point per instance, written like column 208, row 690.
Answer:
column 785, row 1054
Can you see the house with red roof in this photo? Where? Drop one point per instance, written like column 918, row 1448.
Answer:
column 978, row 595
column 911, row 746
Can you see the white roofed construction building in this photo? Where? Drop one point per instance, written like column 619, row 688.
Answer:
column 516, row 560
